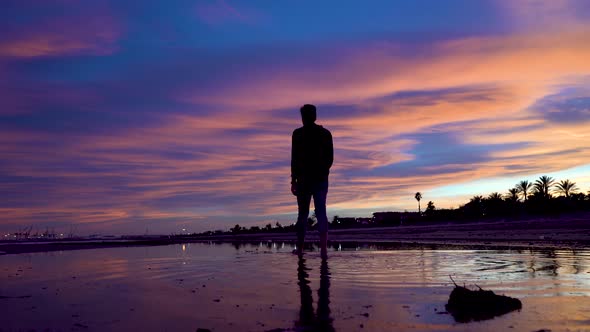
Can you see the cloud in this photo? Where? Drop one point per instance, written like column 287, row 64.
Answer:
column 568, row 106
column 369, row 71
column 543, row 14
column 75, row 29
column 202, row 137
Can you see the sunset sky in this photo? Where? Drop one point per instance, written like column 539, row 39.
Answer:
column 119, row 117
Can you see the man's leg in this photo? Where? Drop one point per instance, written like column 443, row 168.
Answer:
column 303, row 200
column 320, row 195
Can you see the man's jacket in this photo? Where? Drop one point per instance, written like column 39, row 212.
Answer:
column 312, row 154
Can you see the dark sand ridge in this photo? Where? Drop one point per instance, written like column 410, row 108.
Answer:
column 542, row 233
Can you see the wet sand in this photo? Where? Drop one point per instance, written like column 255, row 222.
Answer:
column 263, row 287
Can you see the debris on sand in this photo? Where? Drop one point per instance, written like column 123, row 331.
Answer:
column 466, row 305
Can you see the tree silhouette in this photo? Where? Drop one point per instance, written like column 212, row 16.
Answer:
column 496, row 196
column 543, row 186
column 524, row 187
column 475, row 206
column 430, row 209
column 494, row 204
column 476, row 199
column 566, row 187
column 513, row 194
column 418, row 197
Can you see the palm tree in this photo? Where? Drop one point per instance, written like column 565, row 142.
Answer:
column 513, row 194
column 524, row 187
column 418, row 197
column 475, row 206
column 566, row 187
column 495, row 196
column 543, row 185
column 477, row 199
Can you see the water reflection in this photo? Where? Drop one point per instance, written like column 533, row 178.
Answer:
column 321, row 320
column 534, row 262
column 250, row 286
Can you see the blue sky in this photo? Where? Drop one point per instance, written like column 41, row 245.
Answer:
column 122, row 115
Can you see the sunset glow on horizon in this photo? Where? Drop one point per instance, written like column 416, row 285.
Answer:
column 120, row 117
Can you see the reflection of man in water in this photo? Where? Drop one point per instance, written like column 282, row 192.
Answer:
column 312, row 155
column 321, row 320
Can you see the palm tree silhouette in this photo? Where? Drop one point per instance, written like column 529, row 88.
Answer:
column 418, row 197
column 543, row 185
column 524, row 187
column 475, row 205
column 513, row 194
column 566, row 187
column 477, row 199
column 495, row 196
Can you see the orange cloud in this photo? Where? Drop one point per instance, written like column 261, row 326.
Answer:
column 479, row 93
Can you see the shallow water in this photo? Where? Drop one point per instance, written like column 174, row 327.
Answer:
column 261, row 287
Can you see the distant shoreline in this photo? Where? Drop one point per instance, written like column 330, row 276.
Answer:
column 532, row 234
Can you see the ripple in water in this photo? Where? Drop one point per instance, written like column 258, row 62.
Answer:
column 262, row 286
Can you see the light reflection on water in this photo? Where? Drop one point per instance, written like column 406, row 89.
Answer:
column 262, row 286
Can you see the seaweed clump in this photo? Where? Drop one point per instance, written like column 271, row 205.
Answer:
column 467, row 305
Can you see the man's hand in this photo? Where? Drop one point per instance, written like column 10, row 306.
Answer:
column 294, row 189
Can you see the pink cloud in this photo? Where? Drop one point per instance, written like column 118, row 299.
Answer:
column 542, row 14
column 234, row 162
column 91, row 31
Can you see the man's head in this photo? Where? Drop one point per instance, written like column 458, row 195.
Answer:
column 308, row 114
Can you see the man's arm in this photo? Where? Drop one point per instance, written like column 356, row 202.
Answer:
column 294, row 169
column 329, row 148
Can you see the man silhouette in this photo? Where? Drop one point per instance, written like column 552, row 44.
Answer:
column 312, row 155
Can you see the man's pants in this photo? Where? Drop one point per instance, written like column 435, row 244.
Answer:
column 319, row 192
